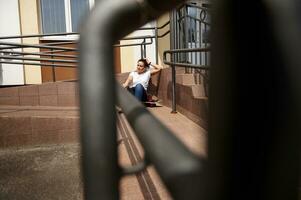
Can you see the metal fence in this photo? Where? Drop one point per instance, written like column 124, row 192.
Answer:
column 55, row 54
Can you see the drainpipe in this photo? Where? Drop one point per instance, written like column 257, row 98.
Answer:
column 105, row 25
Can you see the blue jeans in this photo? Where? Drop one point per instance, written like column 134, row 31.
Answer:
column 139, row 92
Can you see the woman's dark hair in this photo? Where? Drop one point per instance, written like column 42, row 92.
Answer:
column 144, row 62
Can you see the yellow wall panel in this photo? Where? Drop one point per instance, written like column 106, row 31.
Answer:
column 29, row 25
column 164, row 42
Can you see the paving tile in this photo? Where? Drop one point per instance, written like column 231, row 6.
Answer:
column 29, row 100
column 9, row 100
column 66, row 88
column 45, row 137
column 45, row 124
column 10, row 141
column 129, row 189
column 48, row 89
column 15, row 125
column 32, row 90
column 66, row 123
column 68, row 100
column 2, row 142
column 48, row 100
column 9, row 92
column 69, row 136
column 17, row 140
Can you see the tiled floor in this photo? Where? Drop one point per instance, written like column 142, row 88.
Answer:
column 58, row 165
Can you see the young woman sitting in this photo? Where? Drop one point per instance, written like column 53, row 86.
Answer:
column 137, row 81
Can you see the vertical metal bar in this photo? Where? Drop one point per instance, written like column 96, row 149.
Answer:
column 53, row 68
column 156, row 43
column 190, row 41
column 206, row 62
column 157, row 58
column 195, row 41
column 141, row 51
column 198, row 45
column 186, row 42
column 178, row 34
column 173, row 70
column 144, row 47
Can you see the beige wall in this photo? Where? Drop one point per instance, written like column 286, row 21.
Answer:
column 29, row 25
column 164, row 42
column 127, row 55
column 130, row 55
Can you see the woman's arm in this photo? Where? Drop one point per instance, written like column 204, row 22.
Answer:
column 128, row 81
column 156, row 68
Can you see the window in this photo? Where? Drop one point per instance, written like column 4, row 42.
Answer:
column 63, row 15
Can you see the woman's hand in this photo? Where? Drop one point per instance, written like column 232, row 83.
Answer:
column 148, row 62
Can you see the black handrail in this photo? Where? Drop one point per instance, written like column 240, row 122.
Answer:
column 153, row 28
column 13, row 45
column 178, row 64
column 35, row 35
column 38, row 64
column 37, row 59
column 174, row 59
column 19, row 53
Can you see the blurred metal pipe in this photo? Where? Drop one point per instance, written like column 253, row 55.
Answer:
column 178, row 167
column 97, row 88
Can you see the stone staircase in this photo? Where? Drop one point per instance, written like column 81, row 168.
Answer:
column 39, row 114
column 48, row 113
column 191, row 98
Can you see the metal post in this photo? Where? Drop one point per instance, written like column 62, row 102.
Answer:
column 173, row 70
column 141, row 51
column 53, row 68
column 156, row 43
column 144, row 47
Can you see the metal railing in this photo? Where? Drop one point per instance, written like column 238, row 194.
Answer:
column 190, row 48
column 180, row 64
column 50, row 54
column 191, row 31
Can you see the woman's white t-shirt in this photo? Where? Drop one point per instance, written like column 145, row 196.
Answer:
column 143, row 79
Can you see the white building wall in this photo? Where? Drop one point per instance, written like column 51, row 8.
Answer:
column 10, row 74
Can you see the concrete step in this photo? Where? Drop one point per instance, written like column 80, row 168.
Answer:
column 180, row 70
column 62, row 94
column 198, row 90
column 185, row 79
column 38, row 125
column 47, row 94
